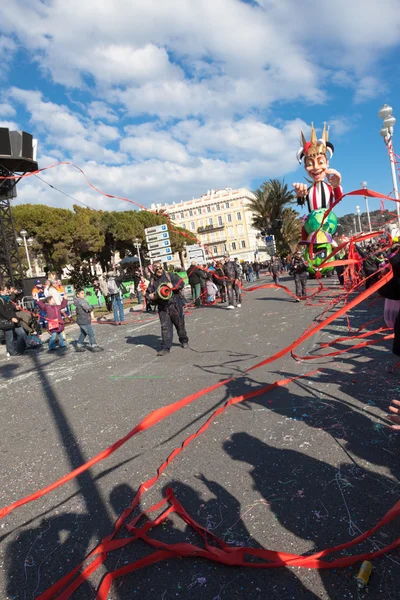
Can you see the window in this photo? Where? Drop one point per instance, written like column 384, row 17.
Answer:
column 199, row 211
column 190, row 213
column 218, row 207
column 231, row 232
column 208, row 208
column 233, row 245
column 225, row 248
column 240, row 230
column 210, row 221
column 243, row 244
column 219, row 219
column 183, row 225
column 229, row 218
column 201, row 223
column 239, row 216
column 226, row 204
column 192, row 225
column 213, row 236
column 182, row 215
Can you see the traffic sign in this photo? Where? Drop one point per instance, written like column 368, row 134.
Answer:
column 156, row 229
column 160, row 244
column 155, row 237
column 159, row 252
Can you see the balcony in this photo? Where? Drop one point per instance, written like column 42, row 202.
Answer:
column 209, row 228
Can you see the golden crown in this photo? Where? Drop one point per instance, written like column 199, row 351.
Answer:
column 315, row 146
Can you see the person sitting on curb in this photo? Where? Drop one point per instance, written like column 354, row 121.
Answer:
column 55, row 321
column 84, row 320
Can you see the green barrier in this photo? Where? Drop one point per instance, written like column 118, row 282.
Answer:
column 93, row 300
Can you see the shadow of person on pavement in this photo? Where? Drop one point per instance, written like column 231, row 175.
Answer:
column 312, row 501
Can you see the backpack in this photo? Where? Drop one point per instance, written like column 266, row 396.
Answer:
column 112, row 287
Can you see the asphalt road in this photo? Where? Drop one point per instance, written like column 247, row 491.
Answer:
column 298, row 469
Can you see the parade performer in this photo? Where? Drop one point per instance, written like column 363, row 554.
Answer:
column 165, row 292
column 319, row 227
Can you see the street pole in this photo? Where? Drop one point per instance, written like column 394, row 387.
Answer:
column 359, row 218
column 24, row 234
column 138, row 251
column 394, row 178
column 364, row 186
column 385, row 113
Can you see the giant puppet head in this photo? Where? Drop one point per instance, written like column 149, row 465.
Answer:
column 316, row 154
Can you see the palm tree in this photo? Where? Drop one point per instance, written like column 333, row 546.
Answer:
column 272, row 215
column 291, row 231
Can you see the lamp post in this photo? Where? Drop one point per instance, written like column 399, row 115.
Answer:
column 24, row 233
column 137, row 246
column 385, row 113
column 364, row 187
column 359, row 218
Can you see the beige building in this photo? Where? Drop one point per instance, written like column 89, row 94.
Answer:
column 221, row 222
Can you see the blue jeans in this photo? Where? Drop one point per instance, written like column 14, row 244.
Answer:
column 118, row 308
column 86, row 330
column 52, row 340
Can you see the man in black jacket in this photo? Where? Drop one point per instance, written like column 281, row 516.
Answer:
column 299, row 268
column 170, row 310
column 232, row 275
column 195, row 276
column 9, row 325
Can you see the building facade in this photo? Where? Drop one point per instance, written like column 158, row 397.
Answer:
column 222, row 223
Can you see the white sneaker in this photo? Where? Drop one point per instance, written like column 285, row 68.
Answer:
column 230, row 307
column 239, row 305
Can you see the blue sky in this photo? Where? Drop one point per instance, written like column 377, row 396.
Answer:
column 161, row 101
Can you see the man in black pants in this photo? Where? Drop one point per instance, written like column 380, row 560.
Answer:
column 298, row 268
column 170, row 310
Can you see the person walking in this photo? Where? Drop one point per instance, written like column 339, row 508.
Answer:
column 104, row 290
column 231, row 273
column 170, row 306
column 275, row 269
column 84, row 320
column 298, row 269
column 195, row 275
column 117, row 300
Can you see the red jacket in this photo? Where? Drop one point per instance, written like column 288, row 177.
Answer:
column 53, row 314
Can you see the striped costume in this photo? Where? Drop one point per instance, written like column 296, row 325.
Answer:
column 320, row 195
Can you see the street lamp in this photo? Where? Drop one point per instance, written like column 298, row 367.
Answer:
column 359, row 218
column 385, row 113
column 30, row 240
column 364, row 187
column 137, row 246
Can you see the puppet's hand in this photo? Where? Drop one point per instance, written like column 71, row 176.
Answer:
column 300, row 189
column 334, row 177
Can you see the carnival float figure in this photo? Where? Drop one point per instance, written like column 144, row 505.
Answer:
column 319, row 197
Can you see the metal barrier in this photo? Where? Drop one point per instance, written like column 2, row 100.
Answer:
column 28, row 303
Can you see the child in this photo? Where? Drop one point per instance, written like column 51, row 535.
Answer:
column 83, row 318
column 55, row 320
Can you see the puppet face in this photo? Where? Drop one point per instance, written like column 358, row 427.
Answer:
column 316, row 166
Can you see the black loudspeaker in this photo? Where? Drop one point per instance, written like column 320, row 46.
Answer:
column 5, row 142
column 21, row 144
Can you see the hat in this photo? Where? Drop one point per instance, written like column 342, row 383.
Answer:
column 315, row 146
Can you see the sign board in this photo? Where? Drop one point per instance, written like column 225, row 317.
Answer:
column 162, row 258
column 195, row 252
column 270, row 243
column 159, row 252
column 156, row 229
column 156, row 237
column 160, row 244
